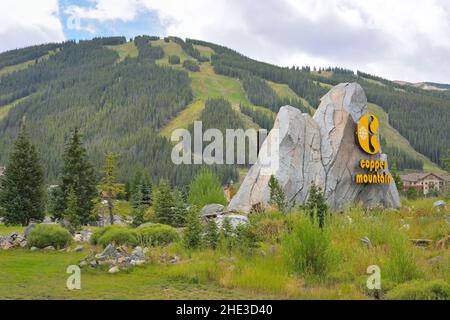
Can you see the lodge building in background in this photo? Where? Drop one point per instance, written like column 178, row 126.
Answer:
column 425, row 182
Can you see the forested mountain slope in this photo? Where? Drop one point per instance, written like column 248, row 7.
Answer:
column 127, row 97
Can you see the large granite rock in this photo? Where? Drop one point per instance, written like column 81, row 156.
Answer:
column 301, row 150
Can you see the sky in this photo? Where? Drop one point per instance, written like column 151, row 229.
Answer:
column 399, row 40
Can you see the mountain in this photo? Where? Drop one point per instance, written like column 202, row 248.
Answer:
column 426, row 85
column 128, row 96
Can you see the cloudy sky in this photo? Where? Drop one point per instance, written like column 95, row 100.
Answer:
column 401, row 39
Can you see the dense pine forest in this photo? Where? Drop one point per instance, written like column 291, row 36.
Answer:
column 120, row 105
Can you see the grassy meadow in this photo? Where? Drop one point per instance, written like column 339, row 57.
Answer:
column 286, row 263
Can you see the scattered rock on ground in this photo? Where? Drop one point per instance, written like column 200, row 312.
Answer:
column 212, row 210
column 49, row 248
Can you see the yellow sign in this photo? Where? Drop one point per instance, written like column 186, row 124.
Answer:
column 368, row 133
column 368, row 140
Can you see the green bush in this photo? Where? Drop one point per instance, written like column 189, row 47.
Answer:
column 157, row 235
column 420, row 290
column 401, row 265
column 206, row 189
column 191, row 65
column 100, row 232
column 115, row 234
column 307, row 247
column 44, row 235
column 174, row 59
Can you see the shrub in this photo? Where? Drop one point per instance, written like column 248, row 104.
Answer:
column 307, row 248
column 157, row 235
column 420, row 290
column 277, row 196
column 174, row 59
column 100, row 232
column 269, row 230
column 44, row 235
column 115, row 234
column 206, row 189
column 191, row 65
column 401, row 265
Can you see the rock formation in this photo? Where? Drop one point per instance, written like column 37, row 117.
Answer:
column 301, row 150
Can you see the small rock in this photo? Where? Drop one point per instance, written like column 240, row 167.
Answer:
column 137, row 262
column 78, row 249
column 114, row 269
column 34, row 249
column 174, row 259
column 213, row 209
column 421, row 242
column 405, row 227
column 49, row 248
column 83, row 264
column 366, row 242
column 439, row 204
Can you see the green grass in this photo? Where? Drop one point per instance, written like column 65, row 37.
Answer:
column 208, row 274
column 394, row 138
column 127, row 49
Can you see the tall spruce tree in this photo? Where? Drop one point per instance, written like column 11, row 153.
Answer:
column 22, row 191
column 77, row 174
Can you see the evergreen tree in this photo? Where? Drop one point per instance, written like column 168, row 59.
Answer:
column 193, row 231
column 164, row 204
column 71, row 212
column 212, row 234
column 277, row 196
column 316, row 205
column 228, row 235
column 110, row 187
column 179, row 209
column 22, row 185
column 77, row 175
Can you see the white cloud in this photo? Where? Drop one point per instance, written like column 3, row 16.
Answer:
column 402, row 39
column 405, row 39
column 25, row 23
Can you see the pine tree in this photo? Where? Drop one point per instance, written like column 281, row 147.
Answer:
column 22, row 185
column 212, row 234
column 277, row 196
column 110, row 187
column 316, row 205
column 164, row 204
column 193, row 231
column 77, row 174
column 71, row 212
column 179, row 209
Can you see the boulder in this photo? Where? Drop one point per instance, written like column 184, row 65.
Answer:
column 439, row 204
column 213, row 209
column 235, row 220
column 302, row 150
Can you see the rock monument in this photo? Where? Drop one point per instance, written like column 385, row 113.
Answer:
column 323, row 150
